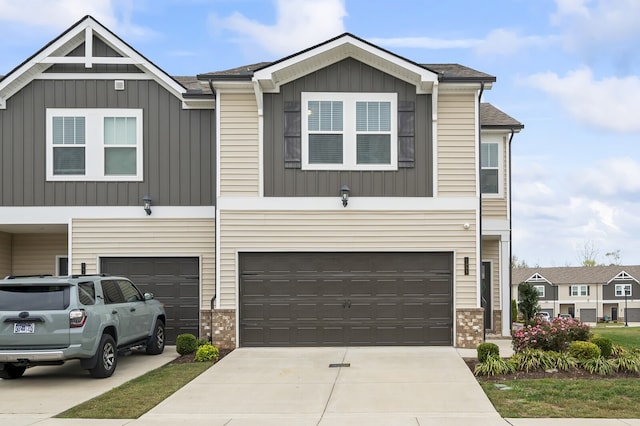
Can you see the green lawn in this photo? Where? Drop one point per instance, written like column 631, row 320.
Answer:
column 629, row 337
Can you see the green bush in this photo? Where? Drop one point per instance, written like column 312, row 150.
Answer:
column 562, row 360
column 605, row 345
column 584, row 350
column 494, row 366
column 207, row 352
column 532, row 359
column 618, row 350
column 627, row 362
column 554, row 335
column 203, row 341
column 486, row 349
column 186, row 344
column 598, row 365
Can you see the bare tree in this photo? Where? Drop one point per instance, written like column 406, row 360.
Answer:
column 614, row 257
column 588, row 254
column 517, row 263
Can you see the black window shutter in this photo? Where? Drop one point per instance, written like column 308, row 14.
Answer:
column 588, row 291
column 406, row 134
column 292, row 136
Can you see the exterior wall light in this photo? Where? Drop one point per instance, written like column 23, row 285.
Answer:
column 344, row 195
column 147, row 204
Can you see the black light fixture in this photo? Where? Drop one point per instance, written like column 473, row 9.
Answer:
column 147, row 204
column 344, row 195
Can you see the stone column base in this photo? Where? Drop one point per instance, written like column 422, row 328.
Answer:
column 469, row 325
column 223, row 333
column 497, row 322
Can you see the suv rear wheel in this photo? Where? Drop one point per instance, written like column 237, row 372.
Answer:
column 107, row 358
column 155, row 345
column 11, row 371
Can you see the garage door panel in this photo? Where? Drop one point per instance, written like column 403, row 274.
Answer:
column 347, row 298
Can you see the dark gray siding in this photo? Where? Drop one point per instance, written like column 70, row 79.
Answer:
column 550, row 291
column 609, row 290
column 348, row 75
column 178, row 147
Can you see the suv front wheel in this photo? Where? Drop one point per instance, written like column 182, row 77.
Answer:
column 11, row 371
column 107, row 358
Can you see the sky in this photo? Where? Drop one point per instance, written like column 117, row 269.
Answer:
column 568, row 69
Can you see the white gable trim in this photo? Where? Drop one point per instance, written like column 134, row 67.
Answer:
column 273, row 76
column 623, row 276
column 56, row 52
column 537, row 278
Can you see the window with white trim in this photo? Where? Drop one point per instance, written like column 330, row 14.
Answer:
column 349, row 131
column 579, row 290
column 490, row 161
column 623, row 289
column 94, row 144
column 540, row 290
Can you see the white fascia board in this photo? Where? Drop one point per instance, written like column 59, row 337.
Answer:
column 355, row 203
column 55, row 52
column 457, row 87
column 494, row 226
column 62, row 215
column 271, row 77
column 233, row 86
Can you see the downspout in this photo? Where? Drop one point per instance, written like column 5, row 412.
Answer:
column 484, row 313
column 510, row 233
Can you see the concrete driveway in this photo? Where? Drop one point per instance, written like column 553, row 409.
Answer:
column 46, row 391
column 297, row 386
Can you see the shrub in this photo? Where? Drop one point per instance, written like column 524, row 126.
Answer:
column 207, row 352
column 605, row 345
column 584, row 351
column 598, row 365
column 555, row 335
column 486, row 349
column 618, row 350
column 203, row 341
column 494, row 366
column 186, row 344
column 528, row 296
column 562, row 360
column 627, row 362
column 532, row 359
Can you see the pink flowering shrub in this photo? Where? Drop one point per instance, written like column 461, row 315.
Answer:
column 555, row 335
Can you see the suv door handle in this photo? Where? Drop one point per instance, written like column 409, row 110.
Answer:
column 114, row 312
column 132, row 310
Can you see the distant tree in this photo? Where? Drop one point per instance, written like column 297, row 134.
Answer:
column 588, row 254
column 614, row 257
column 517, row 263
column 514, row 310
column 528, row 296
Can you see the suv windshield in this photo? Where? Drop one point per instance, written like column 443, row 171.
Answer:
column 36, row 297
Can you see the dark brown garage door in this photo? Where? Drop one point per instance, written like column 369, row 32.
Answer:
column 174, row 281
column 335, row 299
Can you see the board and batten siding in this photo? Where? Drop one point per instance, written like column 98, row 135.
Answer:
column 36, row 253
column 178, row 147
column 496, row 208
column 5, row 254
column 239, row 145
column 269, row 231
column 457, row 163
column 149, row 238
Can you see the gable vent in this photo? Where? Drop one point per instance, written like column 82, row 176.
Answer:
column 118, row 85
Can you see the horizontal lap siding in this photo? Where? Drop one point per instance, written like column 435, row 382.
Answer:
column 239, row 150
column 144, row 237
column 36, row 253
column 457, row 163
column 352, row 231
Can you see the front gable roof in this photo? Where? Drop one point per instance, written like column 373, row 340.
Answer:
column 67, row 49
column 271, row 75
column 576, row 275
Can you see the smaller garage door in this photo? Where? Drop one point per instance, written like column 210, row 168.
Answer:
column 633, row 314
column 174, row 281
column 587, row 315
column 356, row 299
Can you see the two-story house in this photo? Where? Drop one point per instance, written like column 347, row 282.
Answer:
column 343, row 195
column 588, row 293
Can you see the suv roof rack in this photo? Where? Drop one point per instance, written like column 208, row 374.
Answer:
column 12, row 277
column 102, row 274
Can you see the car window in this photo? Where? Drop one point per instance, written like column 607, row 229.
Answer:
column 111, row 292
column 130, row 292
column 34, row 297
column 87, row 293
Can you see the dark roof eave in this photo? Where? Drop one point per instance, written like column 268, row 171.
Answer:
column 502, row 126
column 445, row 79
column 225, row 77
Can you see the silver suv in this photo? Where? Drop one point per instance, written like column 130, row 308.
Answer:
column 48, row 320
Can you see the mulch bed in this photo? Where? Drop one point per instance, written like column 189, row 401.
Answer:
column 576, row 373
column 189, row 358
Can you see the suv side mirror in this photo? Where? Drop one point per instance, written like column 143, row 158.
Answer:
column 148, row 296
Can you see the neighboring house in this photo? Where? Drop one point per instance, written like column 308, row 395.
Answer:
column 349, row 201
column 588, row 293
column 343, row 195
column 88, row 128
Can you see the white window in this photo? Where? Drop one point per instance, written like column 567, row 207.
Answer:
column 579, row 290
column 349, row 131
column 491, row 160
column 623, row 289
column 540, row 290
column 94, row 144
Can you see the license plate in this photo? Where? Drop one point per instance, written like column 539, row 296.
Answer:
column 24, row 327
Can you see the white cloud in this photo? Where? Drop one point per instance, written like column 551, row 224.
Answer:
column 611, row 177
column 427, row 42
column 610, row 103
column 508, row 42
column 300, row 24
